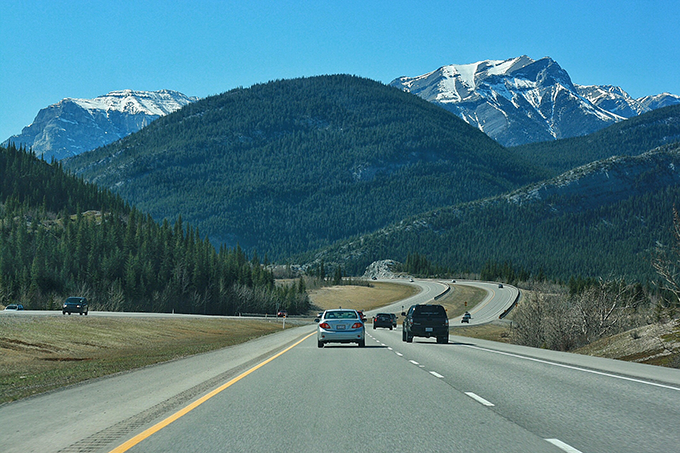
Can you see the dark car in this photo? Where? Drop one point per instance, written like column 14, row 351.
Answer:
column 394, row 320
column 466, row 317
column 427, row 320
column 383, row 320
column 362, row 315
column 75, row 305
column 282, row 314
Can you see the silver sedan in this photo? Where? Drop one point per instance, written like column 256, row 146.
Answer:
column 341, row 326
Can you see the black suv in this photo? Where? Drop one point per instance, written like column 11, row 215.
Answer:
column 383, row 320
column 425, row 321
column 75, row 305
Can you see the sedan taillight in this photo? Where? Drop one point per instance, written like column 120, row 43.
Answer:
column 325, row 325
column 357, row 325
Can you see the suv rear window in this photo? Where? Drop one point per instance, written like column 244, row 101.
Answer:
column 430, row 310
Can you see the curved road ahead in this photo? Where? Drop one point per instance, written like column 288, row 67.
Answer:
column 497, row 300
column 282, row 393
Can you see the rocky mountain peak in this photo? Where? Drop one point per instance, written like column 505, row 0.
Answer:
column 73, row 126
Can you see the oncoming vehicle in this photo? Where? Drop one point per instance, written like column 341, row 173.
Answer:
column 75, row 305
column 382, row 320
column 425, row 321
column 340, row 326
column 14, row 307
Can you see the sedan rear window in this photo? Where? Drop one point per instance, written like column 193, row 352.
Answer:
column 341, row 315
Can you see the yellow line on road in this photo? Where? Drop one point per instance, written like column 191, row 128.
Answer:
column 182, row 412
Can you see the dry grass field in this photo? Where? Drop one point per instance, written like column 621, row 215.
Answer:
column 41, row 353
column 360, row 297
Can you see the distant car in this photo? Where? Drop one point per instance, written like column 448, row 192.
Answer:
column 393, row 317
column 14, row 307
column 466, row 318
column 75, row 305
column 362, row 315
column 374, row 278
column 500, row 285
column 282, row 314
column 383, row 320
column 410, row 279
column 341, row 326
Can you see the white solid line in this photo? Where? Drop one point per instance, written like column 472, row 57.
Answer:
column 600, row 373
column 479, row 399
column 435, row 374
column 561, row 445
column 414, row 362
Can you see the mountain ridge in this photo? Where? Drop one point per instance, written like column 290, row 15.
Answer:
column 521, row 100
column 73, row 125
column 620, row 207
column 270, row 167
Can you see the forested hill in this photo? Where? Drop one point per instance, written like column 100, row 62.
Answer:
column 60, row 236
column 291, row 165
column 600, row 220
column 628, row 138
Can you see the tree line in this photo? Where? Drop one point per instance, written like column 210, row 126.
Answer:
column 61, row 236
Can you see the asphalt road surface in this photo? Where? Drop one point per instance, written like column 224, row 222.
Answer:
column 281, row 393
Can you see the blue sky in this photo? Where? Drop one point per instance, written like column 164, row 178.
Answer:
column 52, row 49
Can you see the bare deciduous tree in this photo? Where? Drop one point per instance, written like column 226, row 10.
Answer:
column 667, row 265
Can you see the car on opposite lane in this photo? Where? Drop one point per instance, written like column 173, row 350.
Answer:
column 340, row 326
column 75, row 305
column 14, row 307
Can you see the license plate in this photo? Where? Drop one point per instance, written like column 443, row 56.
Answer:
column 428, row 329
column 340, row 327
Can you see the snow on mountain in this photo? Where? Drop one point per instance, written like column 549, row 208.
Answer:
column 135, row 102
column 522, row 100
column 73, row 126
column 614, row 99
column 659, row 100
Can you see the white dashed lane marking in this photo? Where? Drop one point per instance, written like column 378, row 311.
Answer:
column 479, row 399
column 561, row 445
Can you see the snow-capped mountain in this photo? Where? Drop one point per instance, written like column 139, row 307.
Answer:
column 614, row 99
column 522, row 100
column 73, row 126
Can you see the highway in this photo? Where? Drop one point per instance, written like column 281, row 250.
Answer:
column 281, row 393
